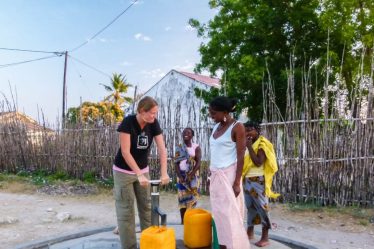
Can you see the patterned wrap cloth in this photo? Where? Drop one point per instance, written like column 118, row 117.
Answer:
column 188, row 189
column 257, row 189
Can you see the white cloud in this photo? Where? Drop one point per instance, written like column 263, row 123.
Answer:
column 137, row 2
column 154, row 73
column 167, row 28
column 188, row 66
column 126, row 63
column 101, row 40
column 189, row 28
column 140, row 36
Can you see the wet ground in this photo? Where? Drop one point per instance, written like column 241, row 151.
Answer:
column 108, row 240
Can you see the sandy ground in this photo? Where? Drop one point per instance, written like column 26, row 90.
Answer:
column 25, row 217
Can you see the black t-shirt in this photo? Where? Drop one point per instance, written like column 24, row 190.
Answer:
column 141, row 141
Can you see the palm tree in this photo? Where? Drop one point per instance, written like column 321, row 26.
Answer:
column 117, row 88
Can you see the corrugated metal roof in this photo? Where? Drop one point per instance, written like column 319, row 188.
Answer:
column 203, row 79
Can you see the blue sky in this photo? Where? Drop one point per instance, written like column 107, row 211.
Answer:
column 145, row 43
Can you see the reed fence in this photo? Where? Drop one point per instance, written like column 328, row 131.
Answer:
column 326, row 161
column 325, row 144
column 325, row 150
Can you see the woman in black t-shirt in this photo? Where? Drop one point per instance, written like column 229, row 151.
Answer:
column 131, row 171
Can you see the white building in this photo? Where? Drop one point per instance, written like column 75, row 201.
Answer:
column 14, row 122
column 178, row 105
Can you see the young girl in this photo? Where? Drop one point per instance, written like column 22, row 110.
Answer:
column 187, row 164
column 260, row 165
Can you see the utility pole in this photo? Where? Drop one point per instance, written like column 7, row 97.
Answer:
column 64, row 98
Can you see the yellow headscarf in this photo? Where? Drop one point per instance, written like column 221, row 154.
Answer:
column 270, row 164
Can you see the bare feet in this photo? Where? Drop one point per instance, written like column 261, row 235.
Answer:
column 115, row 231
column 262, row 243
column 250, row 233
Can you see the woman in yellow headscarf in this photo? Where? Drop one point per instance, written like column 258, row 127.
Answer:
column 259, row 168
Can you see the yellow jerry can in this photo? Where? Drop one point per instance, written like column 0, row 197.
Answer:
column 158, row 237
column 197, row 228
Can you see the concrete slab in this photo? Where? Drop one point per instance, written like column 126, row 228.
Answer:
column 108, row 240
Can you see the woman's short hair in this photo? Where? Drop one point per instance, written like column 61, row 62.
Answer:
column 223, row 104
column 146, row 104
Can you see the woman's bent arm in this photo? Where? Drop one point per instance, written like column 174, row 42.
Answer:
column 159, row 139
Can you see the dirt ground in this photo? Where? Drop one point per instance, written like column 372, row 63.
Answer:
column 27, row 215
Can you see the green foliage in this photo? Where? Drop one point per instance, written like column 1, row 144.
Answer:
column 302, row 207
column 106, row 183
column 103, row 112
column 38, row 177
column 23, row 173
column 42, row 178
column 247, row 39
column 357, row 212
column 89, row 177
column 364, row 222
column 59, row 176
column 39, row 180
column 2, row 177
column 108, row 111
column 117, row 88
column 8, row 177
column 73, row 115
column 207, row 96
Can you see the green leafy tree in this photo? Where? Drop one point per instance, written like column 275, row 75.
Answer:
column 118, row 88
column 350, row 24
column 248, row 39
column 109, row 110
column 73, row 115
column 103, row 112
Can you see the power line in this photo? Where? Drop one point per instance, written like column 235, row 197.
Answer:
column 80, row 76
column 81, row 45
column 23, row 62
column 32, row 51
column 58, row 53
column 100, row 31
column 89, row 66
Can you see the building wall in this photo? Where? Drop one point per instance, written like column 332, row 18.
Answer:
column 178, row 105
